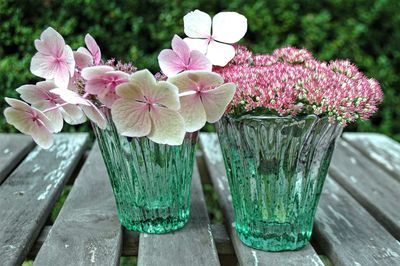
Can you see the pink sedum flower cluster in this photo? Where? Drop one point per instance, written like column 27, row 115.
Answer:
column 291, row 81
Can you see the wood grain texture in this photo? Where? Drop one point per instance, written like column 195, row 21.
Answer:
column 29, row 193
column 373, row 187
column 245, row 254
column 13, row 148
column 348, row 234
column 191, row 245
column 87, row 230
column 381, row 149
column 130, row 242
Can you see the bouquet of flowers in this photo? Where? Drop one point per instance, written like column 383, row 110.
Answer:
column 79, row 85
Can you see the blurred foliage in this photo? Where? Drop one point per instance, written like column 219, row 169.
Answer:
column 365, row 31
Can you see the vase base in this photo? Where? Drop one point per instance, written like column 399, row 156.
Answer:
column 158, row 225
column 274, row 242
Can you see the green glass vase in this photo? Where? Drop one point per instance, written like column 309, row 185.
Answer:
column 276, row 167
column 150, row 181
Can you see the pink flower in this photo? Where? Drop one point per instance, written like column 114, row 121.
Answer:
column 90, row 110
column 54, row 59
column 204, row 97
column 30, row 121
column 227, row 28
column 40, row 97
column 102, row 81
column 148, row 108
column 90, row 55
column 180, row 58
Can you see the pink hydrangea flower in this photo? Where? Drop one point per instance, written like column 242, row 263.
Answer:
column 102, row 81
column 90, row 110
column 54, row 59
column 40, row 97
column 148, row 108
column 203, row 96
column 180, row 58
column 88, row 56
column 30, row 121
column 215, row 43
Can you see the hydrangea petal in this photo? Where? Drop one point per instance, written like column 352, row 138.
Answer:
column 95, row 72
column 170, row 63
column 167, row 126
column 73, row 114
column 50, row 43
column 70, row 96
column 95, row 87
column 95, row 115
column 229, row 27
column 42, row 136
column 68, row 56
column 108, row 99
column 197, row 24
column 31, row 93
column 200, row 45
column 61, row 77
column 131, row 118
column 82, row 60
column 216, row 100
column 54, row 116
column 199, row 62
column 193, row 112
column 192, row 80
column 42, row 66
column 94, row 49
column 181, row 49
column 166, row 94
column 219, row 53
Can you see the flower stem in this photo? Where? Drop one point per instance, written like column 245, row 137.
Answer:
column 54, row 107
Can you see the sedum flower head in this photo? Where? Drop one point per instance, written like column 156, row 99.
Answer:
column 292, row 82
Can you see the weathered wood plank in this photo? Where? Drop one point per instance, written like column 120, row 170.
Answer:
column 348, row 234
column 192, row 245
column 87, row 230
column 29, row 193
column 373, row 187
column 381, row 149
column 130, row 242
column 13, row 148
column 245, row 254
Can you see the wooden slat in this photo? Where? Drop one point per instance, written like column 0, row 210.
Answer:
column 87, row 230
column 13, row 148
column 191, row 245
column 130, row 243
column 29, row 193
column 348, row 234
column 373, row 187
column 245, row 254
column 381, row 149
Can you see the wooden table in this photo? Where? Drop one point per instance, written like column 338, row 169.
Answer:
column 357, row 222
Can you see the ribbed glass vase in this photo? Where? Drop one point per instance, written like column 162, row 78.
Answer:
column 150, row 181
column 276, row 167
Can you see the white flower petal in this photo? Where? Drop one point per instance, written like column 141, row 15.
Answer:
column 70, row 96
column 229, row 27
column 95, row 115
column 54, row 116
column 219, row 53
column 132, row 118
column 197, row 24
column 167, row 127
column 215, row 101
column 73, row 114
column 197, row 44
column 191, row 80
column 95, row 72
column 193, row 113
